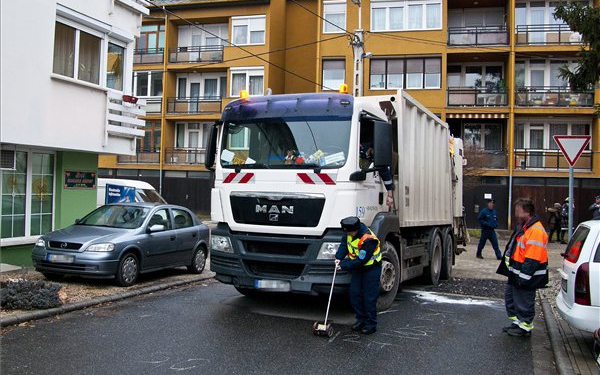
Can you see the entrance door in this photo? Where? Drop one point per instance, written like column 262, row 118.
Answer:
column 194, row 97
column 536, row 145
column 537, row 18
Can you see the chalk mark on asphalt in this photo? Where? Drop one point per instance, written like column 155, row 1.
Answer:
column 334, row 337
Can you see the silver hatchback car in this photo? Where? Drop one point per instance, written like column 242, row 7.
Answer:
column 124, row 240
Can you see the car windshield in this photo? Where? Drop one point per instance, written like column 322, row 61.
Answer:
column 116, row 216
column 286, row 142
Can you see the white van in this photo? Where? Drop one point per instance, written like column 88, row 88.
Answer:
column 144, row 192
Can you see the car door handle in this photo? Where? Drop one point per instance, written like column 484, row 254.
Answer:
column 172, row 238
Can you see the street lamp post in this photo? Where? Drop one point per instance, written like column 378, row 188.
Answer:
column 358, row 48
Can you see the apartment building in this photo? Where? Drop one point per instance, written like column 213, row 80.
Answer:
column 487, row 67
column 66, row 73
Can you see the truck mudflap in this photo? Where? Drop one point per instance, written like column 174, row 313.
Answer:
column 276, row 263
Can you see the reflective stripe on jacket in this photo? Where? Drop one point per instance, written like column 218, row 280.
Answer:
column 355, row 245
column 528, row 263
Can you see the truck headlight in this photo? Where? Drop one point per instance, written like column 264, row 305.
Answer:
column 40, row 243
column 328, row 250
column 101, row 247
column 221, row 243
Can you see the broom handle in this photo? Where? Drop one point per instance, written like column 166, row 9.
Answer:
column 330, row 293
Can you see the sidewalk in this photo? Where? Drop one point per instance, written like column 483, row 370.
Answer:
column 572, row 352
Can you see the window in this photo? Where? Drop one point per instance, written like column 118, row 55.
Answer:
column 248, row 30
column 334, row 73
column 251, row 80
column 152, row 38
column 151, row 140
column 34, row 172
column 406, row 15
column 114, row 67
column 334, row 13
column 484, row 136
column 72, row 45
column 540, row 135
column 408, row 73
column 181, row 219
column 148, row 83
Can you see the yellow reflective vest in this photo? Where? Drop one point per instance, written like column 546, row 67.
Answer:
column 354, row 246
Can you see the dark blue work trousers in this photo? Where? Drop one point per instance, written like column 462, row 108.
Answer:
column 520, row 304
column 364, row 292
column 488, row 234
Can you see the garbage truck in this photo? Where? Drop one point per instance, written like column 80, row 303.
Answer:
column 289, row 167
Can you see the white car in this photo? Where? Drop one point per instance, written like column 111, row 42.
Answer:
column 578, row 301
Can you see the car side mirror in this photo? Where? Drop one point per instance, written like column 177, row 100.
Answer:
column 156, row 228
column 358, row 176
column 77, row 221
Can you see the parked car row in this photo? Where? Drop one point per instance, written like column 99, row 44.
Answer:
column 123, row 240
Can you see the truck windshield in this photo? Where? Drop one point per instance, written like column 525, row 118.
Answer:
column 290, row 142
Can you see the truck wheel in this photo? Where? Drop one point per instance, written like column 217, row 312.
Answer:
column 448, row 256
column 198, row 261
column 128, row 271
column 389, row 282
column 432, row 272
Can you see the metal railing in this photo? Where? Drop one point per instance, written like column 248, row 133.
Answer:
column 478, row 36
column 153, row 106
column 185, row 155
column 478, row 158
column 547, row 34
column 546, row 159
column 147, row 156
column 476, row 97
column 196, row 54
column 148, row 56
column 201, row 104
column 552, row 96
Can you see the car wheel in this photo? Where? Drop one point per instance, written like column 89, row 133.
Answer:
column 53, row 276
column 198, row 261
column 128, row 271
column 389, row 282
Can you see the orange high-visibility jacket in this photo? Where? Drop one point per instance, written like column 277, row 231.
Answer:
column 528, row 264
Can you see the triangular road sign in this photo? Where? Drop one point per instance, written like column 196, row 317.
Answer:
column 572, row 146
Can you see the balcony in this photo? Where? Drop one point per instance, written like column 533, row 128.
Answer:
column 477, row 36
column 552, row 96
column 148, row 56
column 123, row 112
column 193, row 54
column 153, row 106
column 151, row 156
column 185, row 155
column 549, row 160
column 478, row 158
column 476, row 97
column 547, row 34
column 194, row 105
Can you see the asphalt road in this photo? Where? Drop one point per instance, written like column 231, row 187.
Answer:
column 211, row 329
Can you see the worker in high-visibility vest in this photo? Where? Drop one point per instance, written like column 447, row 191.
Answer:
column 525, row 262
column 359, row 252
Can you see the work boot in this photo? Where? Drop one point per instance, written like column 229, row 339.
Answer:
column 518, row 332
column 479, row 256
column 369, row 330
column 358, row 326
column 505, row 329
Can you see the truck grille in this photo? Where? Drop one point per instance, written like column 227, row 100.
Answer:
column 273, row 269
column 293, row 210
column 275, row 248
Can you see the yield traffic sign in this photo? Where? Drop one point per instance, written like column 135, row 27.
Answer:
column 572, row 146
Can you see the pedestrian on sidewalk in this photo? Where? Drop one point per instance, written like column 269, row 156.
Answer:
column 488, row 218
column 595, row 208
column 564, row 214
column 554, row 222
column 525, row 264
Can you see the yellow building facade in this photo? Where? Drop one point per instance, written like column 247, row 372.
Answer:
column 487, row 67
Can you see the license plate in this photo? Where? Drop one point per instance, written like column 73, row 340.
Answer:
column 273, row 285
column 60, row 258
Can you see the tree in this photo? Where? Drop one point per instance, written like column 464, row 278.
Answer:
column 585, row 20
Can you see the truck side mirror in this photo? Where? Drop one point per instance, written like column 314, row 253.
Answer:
column 382, row 144
column 358, row 176
column 211, row 147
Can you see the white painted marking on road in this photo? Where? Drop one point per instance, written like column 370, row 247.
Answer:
column 434, row 297
column 334, row 337
column 386, row 311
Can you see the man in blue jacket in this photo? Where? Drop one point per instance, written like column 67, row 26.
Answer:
column 488, row 218
column 361, row 248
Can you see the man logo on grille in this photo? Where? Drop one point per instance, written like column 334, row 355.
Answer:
column 273, row 217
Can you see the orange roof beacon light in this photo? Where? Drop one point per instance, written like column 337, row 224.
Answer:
column 343, row 88
column 244, row 94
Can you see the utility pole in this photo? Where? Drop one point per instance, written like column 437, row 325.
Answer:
column 358, row 48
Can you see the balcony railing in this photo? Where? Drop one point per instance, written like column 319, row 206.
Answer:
column 196, row 54
column 151, row 156
column 549, row 160
column 478, row 158
column 185, row 155
column 477, row 36
column 552, row 96
column 122, row 117
column 202, row 104
column 476, row 97
column 148, row 56
column 547, row 34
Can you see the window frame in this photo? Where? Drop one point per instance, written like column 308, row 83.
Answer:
column 149, row 88
column 249, row 72
column 247, row 21
column 387, row 5
column 323, row 84
column 338, row 28
column 545, row 124
column 404, row 73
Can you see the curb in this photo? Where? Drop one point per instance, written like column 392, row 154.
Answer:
column 40, row 314
column 563, row 364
